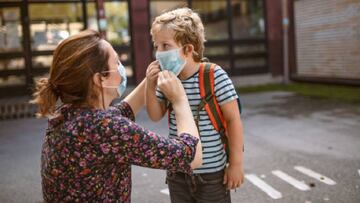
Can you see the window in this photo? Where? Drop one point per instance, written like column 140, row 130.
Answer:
column 157, row 7
column 248, row 18
column 50, row 23
column 12, row 63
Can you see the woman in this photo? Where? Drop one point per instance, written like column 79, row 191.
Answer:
column 90, row 146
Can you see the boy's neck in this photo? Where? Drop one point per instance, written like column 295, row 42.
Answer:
column 190, row 69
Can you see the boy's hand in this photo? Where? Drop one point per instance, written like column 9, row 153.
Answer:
column 152, row 73
column 234, row 176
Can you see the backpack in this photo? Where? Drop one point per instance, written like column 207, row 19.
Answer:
column 209, row 102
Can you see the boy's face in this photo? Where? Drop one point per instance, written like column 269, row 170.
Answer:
column 164, row 40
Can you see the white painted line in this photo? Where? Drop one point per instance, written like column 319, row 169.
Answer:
column 359, row 171
column 315, row 175
column 165, row 191
column 263, row 186
column 292, row 181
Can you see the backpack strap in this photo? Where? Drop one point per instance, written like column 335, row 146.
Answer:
column 208, row 98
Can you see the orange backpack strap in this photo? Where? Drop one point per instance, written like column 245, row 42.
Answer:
column 208, row 98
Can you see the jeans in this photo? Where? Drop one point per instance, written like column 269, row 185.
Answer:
column 197, row 188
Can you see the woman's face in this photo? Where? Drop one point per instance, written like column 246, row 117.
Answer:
column 114, row 78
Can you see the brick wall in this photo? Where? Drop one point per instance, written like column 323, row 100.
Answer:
column 328, row 38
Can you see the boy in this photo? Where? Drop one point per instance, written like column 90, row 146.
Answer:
column 178, row 38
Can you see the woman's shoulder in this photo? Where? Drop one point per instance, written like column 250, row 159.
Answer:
column 122, row 108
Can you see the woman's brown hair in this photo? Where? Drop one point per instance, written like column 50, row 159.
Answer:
column 75, row 61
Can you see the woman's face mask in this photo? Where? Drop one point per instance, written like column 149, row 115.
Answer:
column 171, row 60
column 122, row 86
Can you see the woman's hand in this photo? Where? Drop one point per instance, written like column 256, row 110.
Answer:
column 171, row 86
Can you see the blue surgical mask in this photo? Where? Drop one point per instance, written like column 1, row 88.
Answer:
column 122, row 86
column 171, row 60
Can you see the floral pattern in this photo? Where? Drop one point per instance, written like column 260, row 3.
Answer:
column 87, row 154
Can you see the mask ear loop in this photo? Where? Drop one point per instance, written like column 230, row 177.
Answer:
column 102, row 93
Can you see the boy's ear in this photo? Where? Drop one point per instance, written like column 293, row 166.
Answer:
column 188, row 49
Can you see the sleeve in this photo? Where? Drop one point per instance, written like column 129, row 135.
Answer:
column 160, row 96
column 224, row 88
column 128, row 142
column 122, row 108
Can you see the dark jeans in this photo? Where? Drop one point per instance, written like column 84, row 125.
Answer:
column 197, row 188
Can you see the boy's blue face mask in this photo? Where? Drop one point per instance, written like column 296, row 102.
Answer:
column 122, row 86
column 171, row 60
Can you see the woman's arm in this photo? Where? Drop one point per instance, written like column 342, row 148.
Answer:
column 186, row 124
column 171, row 86
column 135, row 145
column 136, row 98
column 128, row 142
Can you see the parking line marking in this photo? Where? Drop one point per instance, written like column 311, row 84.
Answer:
column 263, row 186
column 315, row 175
column 292, row 181
column 165, row 191
column 359, row 171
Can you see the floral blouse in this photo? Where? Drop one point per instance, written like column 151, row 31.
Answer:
column 87, row 154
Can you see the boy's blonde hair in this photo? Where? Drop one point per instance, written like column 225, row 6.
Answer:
column 187, row 26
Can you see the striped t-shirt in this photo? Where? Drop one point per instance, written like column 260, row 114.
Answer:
column 214, row 156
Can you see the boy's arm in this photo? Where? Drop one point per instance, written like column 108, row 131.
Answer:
column 156, row 109
column 235, row 131
column 227, row 99
column 234, row 175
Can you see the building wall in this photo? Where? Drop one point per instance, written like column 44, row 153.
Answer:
column 327, row 34
column 274, row 36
